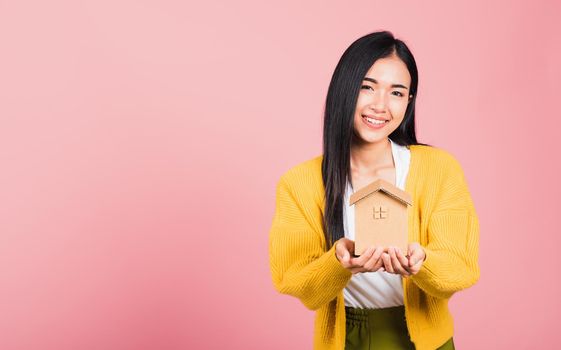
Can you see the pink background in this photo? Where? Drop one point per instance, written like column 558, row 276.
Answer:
column 141, row 141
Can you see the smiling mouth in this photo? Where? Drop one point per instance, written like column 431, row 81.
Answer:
column 374, row 122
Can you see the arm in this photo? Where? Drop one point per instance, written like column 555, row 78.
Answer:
column 452, row 250
column 299, row 264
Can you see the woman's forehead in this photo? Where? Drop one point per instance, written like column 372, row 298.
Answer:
column 390, row 70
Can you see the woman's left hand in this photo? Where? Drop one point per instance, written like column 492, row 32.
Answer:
column 397, row 263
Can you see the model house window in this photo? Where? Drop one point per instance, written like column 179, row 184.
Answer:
column 380, row 212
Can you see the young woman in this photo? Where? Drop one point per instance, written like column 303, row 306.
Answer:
column 386, row 298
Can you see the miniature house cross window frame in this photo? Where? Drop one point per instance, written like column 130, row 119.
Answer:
column 380, row 212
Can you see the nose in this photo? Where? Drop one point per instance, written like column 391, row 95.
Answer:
column 378, row 103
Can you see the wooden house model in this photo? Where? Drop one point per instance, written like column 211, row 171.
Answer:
column 381, row 216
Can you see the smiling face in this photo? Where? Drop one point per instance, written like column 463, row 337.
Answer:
column 382, row 100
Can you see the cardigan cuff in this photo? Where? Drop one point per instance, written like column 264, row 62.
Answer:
column 334, row 265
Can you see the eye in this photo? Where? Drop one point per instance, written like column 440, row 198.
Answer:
column 398, row 93
column 366, row 87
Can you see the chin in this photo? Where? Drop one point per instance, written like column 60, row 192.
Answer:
column 373, row 138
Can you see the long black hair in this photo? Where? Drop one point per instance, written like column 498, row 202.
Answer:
column 339, row 114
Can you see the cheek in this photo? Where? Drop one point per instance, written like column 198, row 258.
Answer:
column 398, row 109
column 357, row 121
column 361, row 102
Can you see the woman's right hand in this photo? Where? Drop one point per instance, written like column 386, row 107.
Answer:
column 369, row 261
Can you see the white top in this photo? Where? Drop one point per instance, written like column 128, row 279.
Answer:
column 375, row 290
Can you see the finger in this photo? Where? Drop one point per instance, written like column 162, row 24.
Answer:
column 361, row 260
column 339, row 250
column 374, row 263
column 356, row 270
column 413, row 251
column 387, row 263
column 409, row 250
column 412, row 248
column 379, row 265
column 344, row 249
column 396, row 264
column 402, row 260
column 415, row 257
column 417, row 253
column 346, row 260
column 342, row 254
column 378, row 261
column 416, row 268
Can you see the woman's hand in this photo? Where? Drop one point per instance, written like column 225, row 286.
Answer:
column 404, row 265
column 417, row 256
column 369, row 261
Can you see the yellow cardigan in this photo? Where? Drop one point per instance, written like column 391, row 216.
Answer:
column 442, row 219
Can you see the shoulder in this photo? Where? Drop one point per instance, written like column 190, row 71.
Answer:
column 439, row 172
column 304, row 177
column 442, row 181
column 435, row 157
column 306, row 170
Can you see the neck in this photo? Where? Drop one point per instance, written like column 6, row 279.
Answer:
column 368, row 156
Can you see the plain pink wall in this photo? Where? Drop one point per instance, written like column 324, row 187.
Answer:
column 141, row 141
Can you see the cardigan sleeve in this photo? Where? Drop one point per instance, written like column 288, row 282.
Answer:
column 452, row 248
column 299, row 264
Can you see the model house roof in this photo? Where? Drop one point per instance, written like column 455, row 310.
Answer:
column 384, row 186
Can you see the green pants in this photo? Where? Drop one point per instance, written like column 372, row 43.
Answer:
column 380, row 329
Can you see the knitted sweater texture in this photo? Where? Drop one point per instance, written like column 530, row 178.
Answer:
column 442, row 219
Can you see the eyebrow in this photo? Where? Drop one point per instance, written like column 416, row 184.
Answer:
column 393, row 85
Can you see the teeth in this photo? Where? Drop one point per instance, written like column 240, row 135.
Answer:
column 374, row 121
